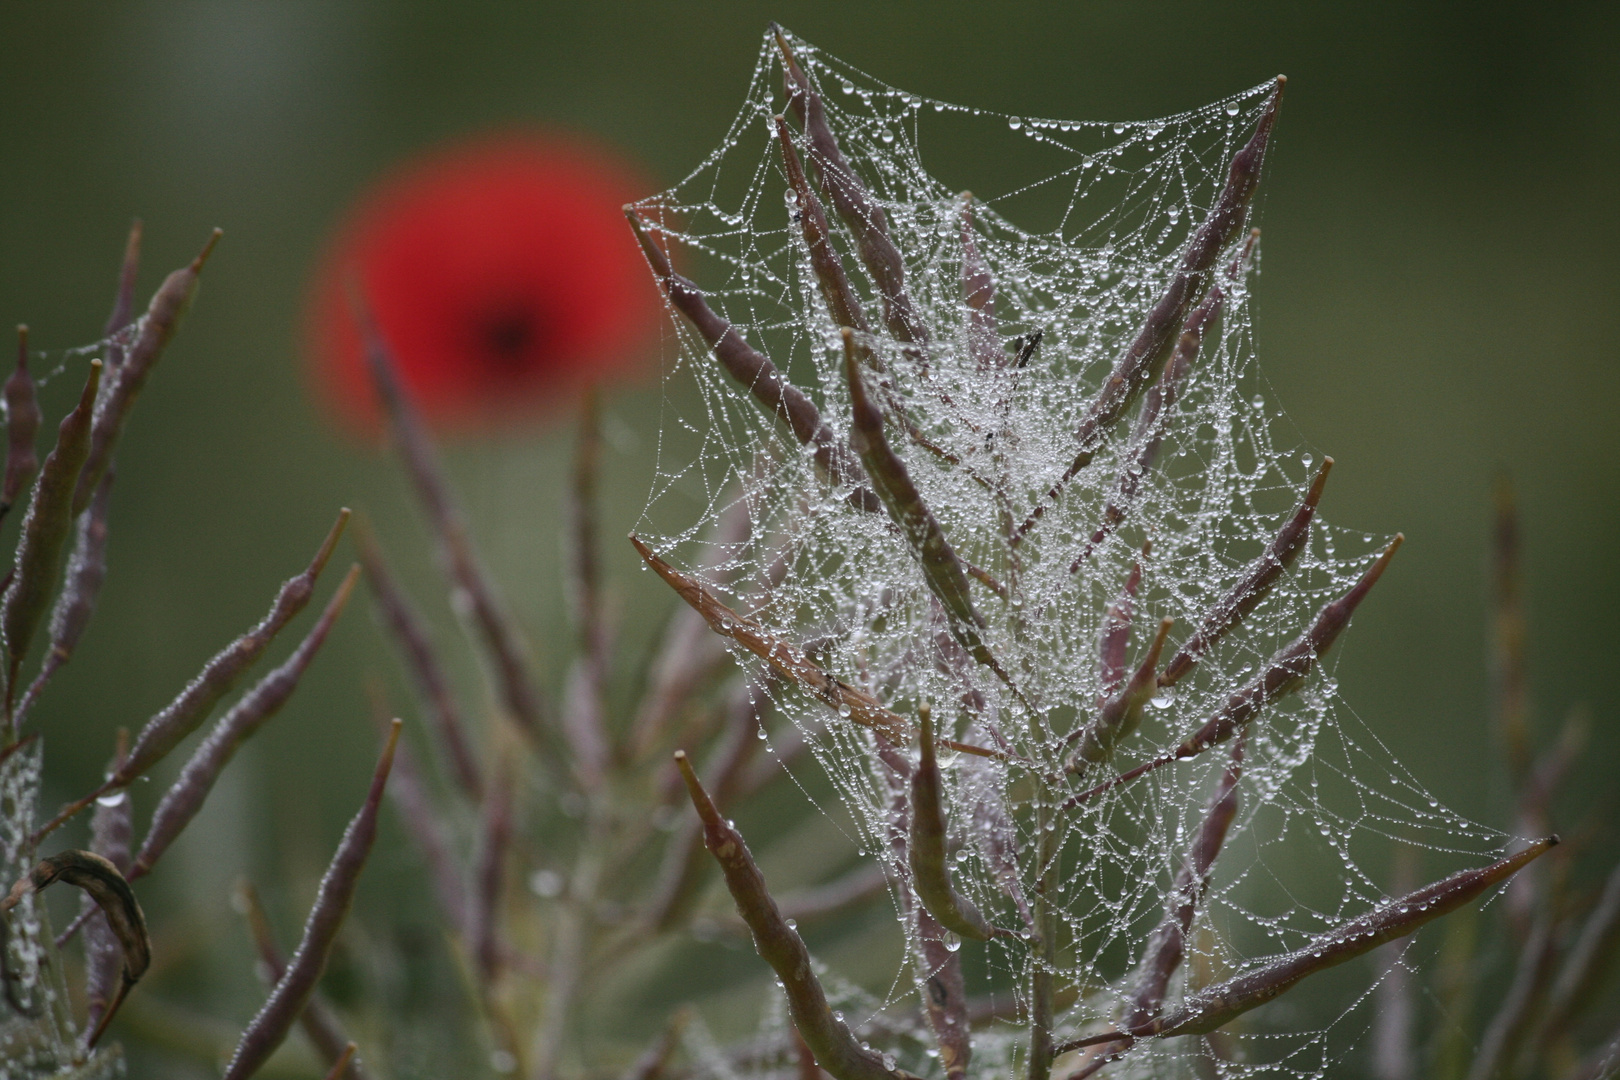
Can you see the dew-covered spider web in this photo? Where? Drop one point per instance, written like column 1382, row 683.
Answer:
column 1078, row 227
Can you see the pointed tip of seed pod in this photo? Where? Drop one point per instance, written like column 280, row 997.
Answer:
column 1552, row 841
column 642, row 549
column 208, row 249
column 694, row 787
column 1314, row 496
column 329, row 544
column 655, row 254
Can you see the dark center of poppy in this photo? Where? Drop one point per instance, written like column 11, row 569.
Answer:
column 513, row 341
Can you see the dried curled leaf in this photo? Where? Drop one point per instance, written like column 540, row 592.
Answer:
column 102, row 882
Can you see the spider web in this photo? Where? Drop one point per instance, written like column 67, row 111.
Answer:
column 1080, row 225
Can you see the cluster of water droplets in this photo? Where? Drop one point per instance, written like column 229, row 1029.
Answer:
column 1080, row 225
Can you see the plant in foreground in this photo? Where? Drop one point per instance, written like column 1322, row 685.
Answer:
column 1019, row 568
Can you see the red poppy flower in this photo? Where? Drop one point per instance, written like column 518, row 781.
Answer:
column 501, row 274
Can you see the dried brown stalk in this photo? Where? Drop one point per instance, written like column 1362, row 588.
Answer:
column 102, row 882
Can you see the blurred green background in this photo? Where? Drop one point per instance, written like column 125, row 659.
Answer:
column 1439, row 300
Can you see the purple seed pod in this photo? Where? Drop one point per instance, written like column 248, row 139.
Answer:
column 22, row 427
column 1157, row 336
column 292, row 993
column 930, row 874
column 1215, row 1006
column 859, row 212
column 979, row 294
column 190, row 789
column 468, row 579
column 1252, row 587
column 320, row 1026
column 835, row 1047
column 1282, row 675
column 157, row 327
column 186, row 712
column 111, row 830
column 755, row 372
column 45, row 531
column 123, row 309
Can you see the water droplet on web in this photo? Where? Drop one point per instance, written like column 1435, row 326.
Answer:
column 1119, row 129
column 112, row 799
column 886, row 135
column 951, row 941
column 888, row 1061
column 1165, row 698
column 1258, row 401
column 1231, row 110
column 760, row 734
column 1307, row 460
column 961, row 857
column 1014, row 122
column 848, row 87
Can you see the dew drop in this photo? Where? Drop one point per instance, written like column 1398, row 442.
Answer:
column 113, row 798
column 848, row 87
column 951, row 941
column 1231, row 110
column 1163, row 699
column 1014, row 122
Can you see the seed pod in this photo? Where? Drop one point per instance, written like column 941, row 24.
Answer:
column 421, row 663
column 1157, row 335
column 1253, row 586
column 100, row 879
column 291, row 994
column 157, row 327
column 186, row 712
column 859, row 212
column 947, row 578
column 930, row 875
column 1282, row 675
column 321, row 1027
column 979, row 294
column 190, row 789
column 842, row 303
column 829, row 1038
column 22, row 427
column 457, row 555
column 758, row 375
column 1218, row 1005
column 45, row 531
